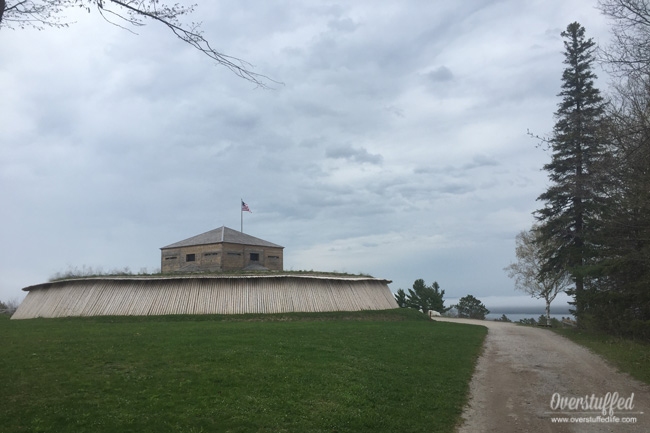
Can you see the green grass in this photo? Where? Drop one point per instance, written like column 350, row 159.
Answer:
column 629, row 356
column 385, row 371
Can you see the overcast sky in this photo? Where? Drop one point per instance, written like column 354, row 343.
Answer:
column 396, row 147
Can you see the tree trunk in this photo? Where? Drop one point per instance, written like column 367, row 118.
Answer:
column 580, row 284
column 3, row 5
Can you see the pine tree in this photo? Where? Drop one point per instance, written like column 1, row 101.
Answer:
column 470, row 307
column 625, row 299
column 573, row 201
column 426, row 298
column 400, row 298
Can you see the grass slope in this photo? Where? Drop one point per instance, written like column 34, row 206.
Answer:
column 76, row 273
column 385, row 371
column 629, row 356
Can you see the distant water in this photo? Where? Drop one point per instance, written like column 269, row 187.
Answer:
column 516, row 317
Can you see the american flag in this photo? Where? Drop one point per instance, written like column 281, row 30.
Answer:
column 244, row 207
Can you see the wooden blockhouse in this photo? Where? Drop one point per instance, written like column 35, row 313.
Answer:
column 222, row 249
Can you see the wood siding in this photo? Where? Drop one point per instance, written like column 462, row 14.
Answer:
column 203, row 295
column 219, row 257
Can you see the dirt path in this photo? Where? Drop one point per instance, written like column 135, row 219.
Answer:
column 521, row 369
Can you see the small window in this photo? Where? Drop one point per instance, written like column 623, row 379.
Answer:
column 209, row 254
column 274, row 257
column 171, row 258
column 190, row 257
column 234, row 254
column 255, row 257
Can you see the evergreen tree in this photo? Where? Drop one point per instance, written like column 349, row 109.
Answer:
column 425, row 298
column 400, row 298
column 470, row 307
column 625, row 296
column 574, row 200
column 622, row 303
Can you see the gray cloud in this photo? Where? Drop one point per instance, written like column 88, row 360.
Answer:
column 441, row 74
column 344, row 25
column 481, row 161
column 350, row 153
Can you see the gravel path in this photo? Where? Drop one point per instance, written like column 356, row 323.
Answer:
column 521, row 369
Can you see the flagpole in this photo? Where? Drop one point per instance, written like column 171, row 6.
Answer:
column 244, row 207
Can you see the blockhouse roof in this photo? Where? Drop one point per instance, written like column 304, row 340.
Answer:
column 222, row 235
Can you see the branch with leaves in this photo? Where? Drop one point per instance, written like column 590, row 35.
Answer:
column 529, row 271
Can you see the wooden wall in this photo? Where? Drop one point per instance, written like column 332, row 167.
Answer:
column 203, row 295
column 219, row 257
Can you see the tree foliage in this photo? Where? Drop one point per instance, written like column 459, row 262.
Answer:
column 574, row 200
column 423, row 297
column 400, row 298
column 621, row 301
column 528, row 270
column 622, row 296
column 471, row 308
column 127, row 14
column 598, row 206
column 9, row 307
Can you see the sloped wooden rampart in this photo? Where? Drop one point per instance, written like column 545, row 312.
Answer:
column 203, row 295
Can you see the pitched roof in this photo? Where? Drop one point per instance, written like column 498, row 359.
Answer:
column 222, row 235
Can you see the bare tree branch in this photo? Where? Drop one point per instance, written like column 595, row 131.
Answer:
column 33, row 13
column 629, row 54
column 48, row 13
column 192, row 36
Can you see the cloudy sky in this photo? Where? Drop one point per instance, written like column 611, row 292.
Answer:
column 396, row 145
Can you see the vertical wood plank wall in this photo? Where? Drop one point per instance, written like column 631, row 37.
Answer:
column 203, row 295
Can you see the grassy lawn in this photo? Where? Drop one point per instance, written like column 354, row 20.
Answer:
column 629, row 356
column 386, row 371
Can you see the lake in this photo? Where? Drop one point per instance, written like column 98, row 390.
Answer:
column 516, row 317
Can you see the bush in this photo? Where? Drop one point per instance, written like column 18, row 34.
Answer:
column 621, row 314
column 528, row 321
column 470, row 307
column 9, row 307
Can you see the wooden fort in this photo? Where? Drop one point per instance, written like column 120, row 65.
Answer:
column 222, row 249
column 217, row 294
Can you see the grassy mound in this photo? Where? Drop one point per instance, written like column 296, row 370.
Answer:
column 76, row 273
column 330, row 372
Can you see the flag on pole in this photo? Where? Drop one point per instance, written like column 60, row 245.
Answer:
column 244, row 207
